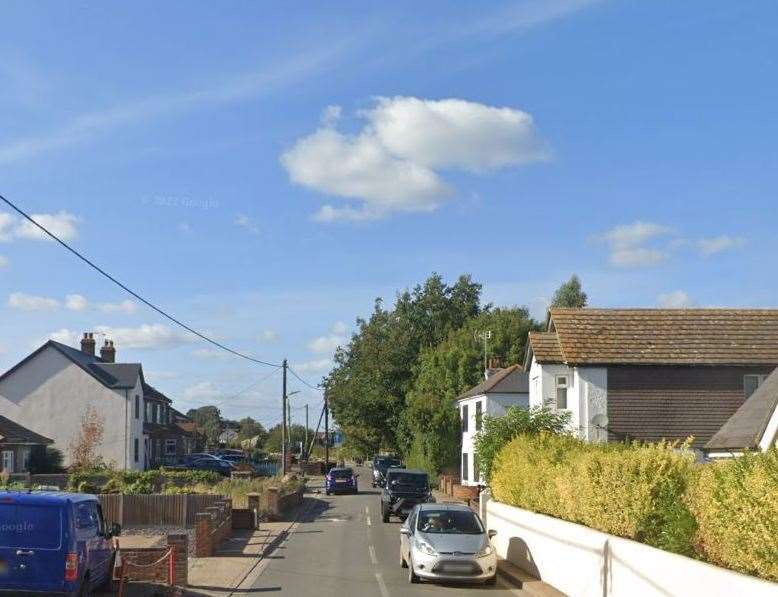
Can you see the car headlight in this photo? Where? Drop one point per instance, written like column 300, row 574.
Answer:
column 486, row 551
column 425, row 547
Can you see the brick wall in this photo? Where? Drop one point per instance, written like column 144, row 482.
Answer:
column 149, row 564
column 212, row 526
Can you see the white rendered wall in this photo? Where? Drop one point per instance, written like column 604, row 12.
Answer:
column 49, row 395
column 583, row 562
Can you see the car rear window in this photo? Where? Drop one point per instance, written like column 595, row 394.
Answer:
column 343, row 473
column 412, row 479
column 25, row 526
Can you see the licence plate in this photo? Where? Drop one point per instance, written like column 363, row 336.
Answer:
column 459, row 568
column 339, row 481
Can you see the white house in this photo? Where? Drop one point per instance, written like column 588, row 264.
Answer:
column 50, row 391
column 651, row 374
column 501, row 389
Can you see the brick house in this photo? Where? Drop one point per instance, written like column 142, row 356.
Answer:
column 17, row 445
column 651, row 374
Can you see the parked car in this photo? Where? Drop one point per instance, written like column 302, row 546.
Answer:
column 380, row 465
column 54, row 542
column 447, row 542
column 340, row 480
column 209, row 462
column 403, row 490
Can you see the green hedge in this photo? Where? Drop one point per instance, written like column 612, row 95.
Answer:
column 134, row 482
column 724, row 512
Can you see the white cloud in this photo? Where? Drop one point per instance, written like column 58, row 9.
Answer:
column 204, row 390
column 390, row 165
column 64, row 336
column 3, row 261
column 627, row 244
column 209, row 353
column 717, row 244
column 314, row 366
column 327, row 344
column 76, row 302
column 245, row 222
column 269, row 336
column 678, row 299
column 61, row 224
column 146, row 336
column 29, row 302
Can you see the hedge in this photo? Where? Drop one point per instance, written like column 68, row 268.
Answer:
column 723, row 512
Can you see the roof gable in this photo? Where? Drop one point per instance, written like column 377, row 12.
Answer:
column 13, row 433
column 511, row 380
column 664, row 336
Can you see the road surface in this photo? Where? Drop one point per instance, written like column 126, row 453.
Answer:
column 340, row 548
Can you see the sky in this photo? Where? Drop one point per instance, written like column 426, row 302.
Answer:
column 264, row 171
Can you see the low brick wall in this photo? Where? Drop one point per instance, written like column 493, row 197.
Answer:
column 139, row 561
column 212, row 526
column 243, row 518
column 465, row 492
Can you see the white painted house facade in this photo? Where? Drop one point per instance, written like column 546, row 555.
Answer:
column 50, row 391
column 501, row 389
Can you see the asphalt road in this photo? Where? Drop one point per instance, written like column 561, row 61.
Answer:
column 341, row 548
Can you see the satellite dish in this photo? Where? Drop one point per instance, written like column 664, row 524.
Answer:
column 600, row 420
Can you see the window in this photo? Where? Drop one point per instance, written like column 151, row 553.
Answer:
column 561, row 391
column 25, row 454
column 170, row 447
column 465, row 418
column 87, row 516
column 465, row 467
column 478, row 415
column 8, row 461
column 147, row 411
column 751, row 383
column 155, row 413
column 137, row 406
column 136, row 449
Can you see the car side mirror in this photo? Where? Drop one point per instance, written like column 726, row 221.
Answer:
column 405, row 531
column 116, row 530
column 492, row 533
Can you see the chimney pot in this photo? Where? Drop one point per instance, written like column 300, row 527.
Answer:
column 88, row 344
column 108, row 352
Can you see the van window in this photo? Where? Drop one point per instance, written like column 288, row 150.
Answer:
column 87, row 516
column 30, row 527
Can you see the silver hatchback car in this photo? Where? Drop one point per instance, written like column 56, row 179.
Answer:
column 447, row 542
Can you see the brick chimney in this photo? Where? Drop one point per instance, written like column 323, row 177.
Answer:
column 492, row 367
column 88, row 343
column 108, row 352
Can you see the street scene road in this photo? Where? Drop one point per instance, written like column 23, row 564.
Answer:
column 340, row 547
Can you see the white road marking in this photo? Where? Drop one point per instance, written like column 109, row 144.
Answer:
column 367, row 520
column 373, row 557
column 381, row 585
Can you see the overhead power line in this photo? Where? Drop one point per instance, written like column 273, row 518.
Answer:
column 301, row 380
column 132, row 292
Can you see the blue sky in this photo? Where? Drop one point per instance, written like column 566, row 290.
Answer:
column 264, row 171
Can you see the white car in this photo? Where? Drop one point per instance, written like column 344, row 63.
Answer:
column 447, row 542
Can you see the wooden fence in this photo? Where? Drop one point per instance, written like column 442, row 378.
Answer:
column 155, row 509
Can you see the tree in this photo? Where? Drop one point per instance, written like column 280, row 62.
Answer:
column 208, row 420
column 570, row 295
column 430, row 429
column 368, row 386
column 46, row 459
column 498, row 431
column 83, row 446
column 296, row 436
column 249, row 428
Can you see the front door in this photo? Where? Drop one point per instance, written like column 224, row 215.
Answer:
column 8, row 461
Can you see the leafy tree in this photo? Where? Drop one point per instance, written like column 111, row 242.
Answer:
column 296, row 436
column 374, row 372
column 570, row 294
column 430, row 429
column 46, row 459
column 249, row 428
column 208, row 420
column 498, row 431
column 83, row 446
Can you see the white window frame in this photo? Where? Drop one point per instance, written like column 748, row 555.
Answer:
column 465, row 418
column 561, row 386
column 759, row 381
column 170, row 442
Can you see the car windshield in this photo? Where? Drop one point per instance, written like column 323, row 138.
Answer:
column 398, row 478
column 384, row 463
column 450, row 522
column 341, row 473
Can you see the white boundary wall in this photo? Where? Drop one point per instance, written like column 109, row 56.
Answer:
column 584, row 562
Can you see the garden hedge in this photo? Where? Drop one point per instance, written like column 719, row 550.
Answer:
column 724, row 512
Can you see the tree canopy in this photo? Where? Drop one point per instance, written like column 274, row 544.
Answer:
column 570, row 294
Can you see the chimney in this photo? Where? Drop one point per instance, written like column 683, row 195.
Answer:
column 108, row 352
column 492, row 367
column 88, row 344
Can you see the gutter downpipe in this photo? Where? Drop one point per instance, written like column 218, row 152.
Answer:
column 126, row 422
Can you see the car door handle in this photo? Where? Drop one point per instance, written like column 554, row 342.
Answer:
column 24, row 552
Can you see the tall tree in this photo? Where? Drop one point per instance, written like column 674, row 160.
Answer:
column 570, row 295
column 249, row 428
column 208, row 420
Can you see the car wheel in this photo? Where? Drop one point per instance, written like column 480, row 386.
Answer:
column 384, row 515
column 327, row 491
column 403, row 563
column 412, row 578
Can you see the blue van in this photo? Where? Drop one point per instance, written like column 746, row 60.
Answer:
column 54, row 543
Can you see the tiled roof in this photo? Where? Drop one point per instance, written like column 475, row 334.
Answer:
column 511, row 380
column 666, row 336
column 545, row 347
column 745, row 428
column 150, row 391
column 13, row 433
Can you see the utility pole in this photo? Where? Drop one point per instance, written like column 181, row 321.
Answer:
column 305, row 445
column 326, row 433
column 284, row 448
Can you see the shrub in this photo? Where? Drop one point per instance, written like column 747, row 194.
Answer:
column 46, row 459
column 498, row 431
column 736, row 506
